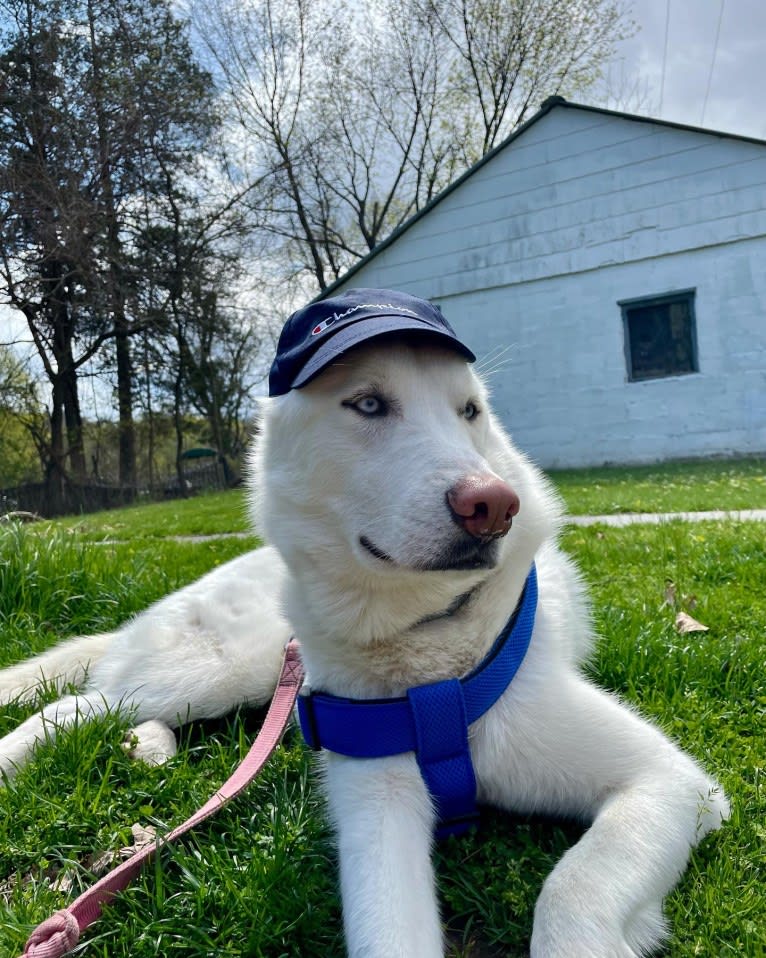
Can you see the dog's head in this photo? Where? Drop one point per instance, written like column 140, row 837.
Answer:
column 381, row 474
column 391, row 464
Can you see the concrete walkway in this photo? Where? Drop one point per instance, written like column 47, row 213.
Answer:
column 618, row 519
column 655, row 518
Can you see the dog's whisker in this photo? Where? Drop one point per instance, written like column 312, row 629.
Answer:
column 495, row 360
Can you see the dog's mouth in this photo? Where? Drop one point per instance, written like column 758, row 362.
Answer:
column 365, row 543
column 466, row 555
column 462, row 555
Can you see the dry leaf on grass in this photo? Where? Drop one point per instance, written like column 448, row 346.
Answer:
column 7, row 888
column 685, row 623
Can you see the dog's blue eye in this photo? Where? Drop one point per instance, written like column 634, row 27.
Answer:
column 470, row 411
column 369, row 405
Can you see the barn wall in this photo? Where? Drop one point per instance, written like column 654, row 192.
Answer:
column 530, row 255
column 560, row 378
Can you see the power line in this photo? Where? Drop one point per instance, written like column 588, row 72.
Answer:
column 712, row 62
column 665, row 54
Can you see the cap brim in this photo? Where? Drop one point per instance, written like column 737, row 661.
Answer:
column 368, row 329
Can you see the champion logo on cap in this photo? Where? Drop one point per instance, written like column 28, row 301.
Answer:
column 336, row 317
column 321, row 327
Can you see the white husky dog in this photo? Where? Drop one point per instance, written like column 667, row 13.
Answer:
column 405, row 526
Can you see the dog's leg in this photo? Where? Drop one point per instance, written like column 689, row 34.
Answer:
column 151, row 741
column 66, row 663
column 17, row 746
column 385, row 820
column 198, row 653
column 650, row 805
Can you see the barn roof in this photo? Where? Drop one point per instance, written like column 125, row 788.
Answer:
column 552, row 103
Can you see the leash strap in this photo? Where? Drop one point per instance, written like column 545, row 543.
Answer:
column 61, row 932
column 431, row 720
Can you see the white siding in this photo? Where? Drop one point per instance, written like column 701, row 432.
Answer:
column 562, row 388
column 530, row 255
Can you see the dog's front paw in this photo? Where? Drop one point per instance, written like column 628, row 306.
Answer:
column 714, row 810
column 152, row 742
column 570, row 923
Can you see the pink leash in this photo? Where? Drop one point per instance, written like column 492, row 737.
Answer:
column 60, row 933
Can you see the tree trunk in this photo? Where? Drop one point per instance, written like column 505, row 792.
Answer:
column 179, row 430
column 54, row 471
column 127, row 433
column 149, row 415
column 73, row 419
column 66, row 400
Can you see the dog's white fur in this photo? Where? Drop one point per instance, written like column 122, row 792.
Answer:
column 326, row 474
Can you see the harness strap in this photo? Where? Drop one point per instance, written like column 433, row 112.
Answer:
column 431, row 720
column 60, row 933
column 444, row 759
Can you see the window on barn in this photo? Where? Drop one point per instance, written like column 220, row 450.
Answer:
column 660, row 335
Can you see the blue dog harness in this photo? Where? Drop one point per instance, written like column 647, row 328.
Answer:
column 431, row 720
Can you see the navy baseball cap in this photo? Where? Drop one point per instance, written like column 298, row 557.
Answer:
column 315, row 336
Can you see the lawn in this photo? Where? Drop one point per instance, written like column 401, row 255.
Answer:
column 209, row 514
column 669, row 487
column 260, row 879
column 729, row 484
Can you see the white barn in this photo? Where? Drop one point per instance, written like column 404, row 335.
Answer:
column 614, row 268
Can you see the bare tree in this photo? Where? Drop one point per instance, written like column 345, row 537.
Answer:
column 354, row 116
column 624, row 89
column 339, row 116
column 387, row 146
column 512, row 54
column 260, row 53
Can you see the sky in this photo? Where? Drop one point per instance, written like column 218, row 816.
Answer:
column 701, row 62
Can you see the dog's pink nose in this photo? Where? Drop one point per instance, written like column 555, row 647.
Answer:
column 483, row 505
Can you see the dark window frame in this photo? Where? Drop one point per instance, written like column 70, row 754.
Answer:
column 687, row 296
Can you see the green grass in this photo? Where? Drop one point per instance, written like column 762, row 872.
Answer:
column 56, row 585
column 213, row 513
column 259, row 880
column 728, row 484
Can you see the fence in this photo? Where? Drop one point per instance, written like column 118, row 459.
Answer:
column 74, row 498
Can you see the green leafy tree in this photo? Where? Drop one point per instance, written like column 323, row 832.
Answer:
column 43, row 217
column 22, row 417
column 201, row 355
column 97, row 99
column 152, row 109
